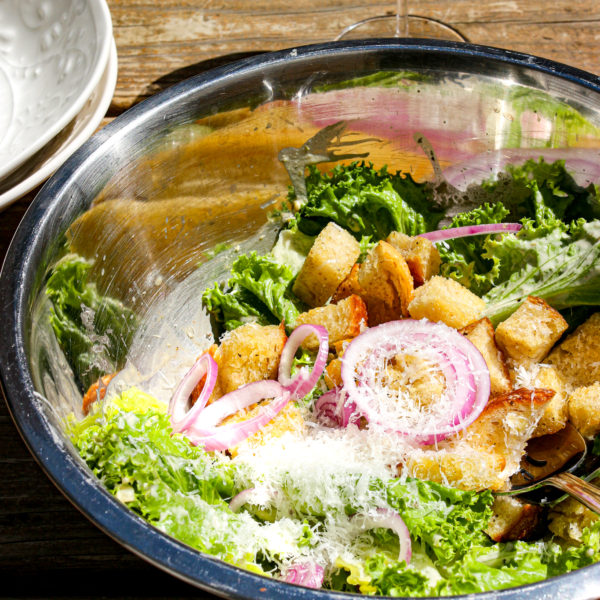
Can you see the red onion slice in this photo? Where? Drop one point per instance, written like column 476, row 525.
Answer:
column 333, row 409
column 253, row 495
column 205, row 430
column 306, row 573
column 469, row 386
column 456, row 232
column 304, row 381
column 239, row 399
column 386, row 518
column 181, row 418
column 453, row 364
column 240, row 499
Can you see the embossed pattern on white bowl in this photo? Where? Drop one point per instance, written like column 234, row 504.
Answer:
column 47, row 160
column 52, row 56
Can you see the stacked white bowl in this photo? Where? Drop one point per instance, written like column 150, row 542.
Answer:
column 58, row 71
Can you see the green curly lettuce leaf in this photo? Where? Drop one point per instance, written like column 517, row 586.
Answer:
column 446, row 520
column 561, row 559
column 494, row 567
column 562, row 267
column 259, row 290
column 94, row 331
column 463, row 258
column 554, row 256
column 543, row 192
column 366, row 202
column 450, row 552
column 176, row 487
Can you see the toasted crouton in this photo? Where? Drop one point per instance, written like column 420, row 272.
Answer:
column 481, row 335
column 446, row 300
column 333, row 373
column 489, row 451
column 513, row 519
column 584, row 409
column 531, row 331
column 507, row 422
column 249, row 353
column 328, row 263
column 569, row 518
column 348, row 286
column 467, row 469
column 288, row 420
column 535, row 375
column 340, row 346
column 420, row 254
column 577, row 358
column 386, row 283
column 556, row 411
column 343, row 320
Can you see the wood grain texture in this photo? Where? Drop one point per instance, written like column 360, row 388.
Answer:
column 160, row 42
column 47, row 548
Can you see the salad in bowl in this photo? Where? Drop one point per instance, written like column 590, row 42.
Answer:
column 340, row 398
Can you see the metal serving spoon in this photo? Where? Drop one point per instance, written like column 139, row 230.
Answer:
column 550, row 460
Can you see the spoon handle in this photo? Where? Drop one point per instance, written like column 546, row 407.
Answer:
column 587, row 493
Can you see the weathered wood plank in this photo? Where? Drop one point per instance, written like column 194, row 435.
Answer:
column 156, row 41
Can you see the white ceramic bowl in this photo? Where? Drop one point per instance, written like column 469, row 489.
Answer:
column 47, row 160
column 52, row 56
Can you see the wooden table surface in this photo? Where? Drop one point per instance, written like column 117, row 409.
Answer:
column 47, row 549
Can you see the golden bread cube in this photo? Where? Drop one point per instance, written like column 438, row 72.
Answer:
column 333, row 374
column 348, row 286
column 420, row 255
column 508, row 421
column 386, row 283
column 343, row 320
column 467, row 469
column 569, row 518
column 328, row 263
column 578, row 357
column 288, row 420
column 584, row 409
column 556, row 413
column 446, row 300
column 481, row 334
column 513, row 519
column 489, row 451
column 531, row 331
column 249, row 353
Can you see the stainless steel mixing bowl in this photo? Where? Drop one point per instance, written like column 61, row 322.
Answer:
column 198, row 165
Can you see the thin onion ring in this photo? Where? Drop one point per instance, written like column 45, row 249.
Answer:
column 470, row 397
column 206, row 431
column 180, row 418
column 387, row 518
column 457, row 232
column 333, row 409
column 302, row 382
column 306, row 573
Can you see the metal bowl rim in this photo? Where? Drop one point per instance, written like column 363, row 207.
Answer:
column 69, row 473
